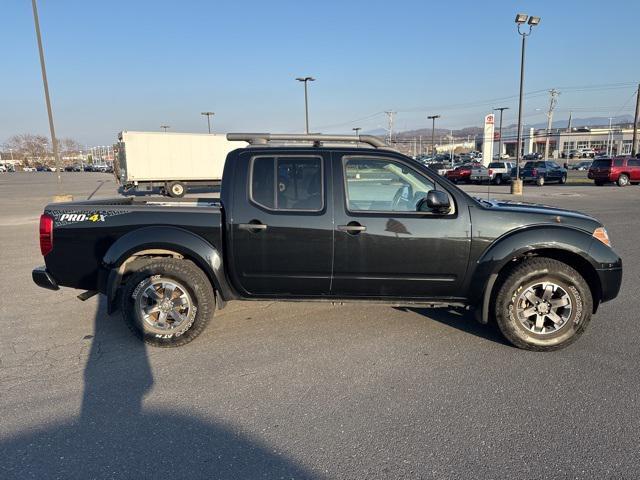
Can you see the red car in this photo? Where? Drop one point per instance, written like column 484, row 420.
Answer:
column 620, row 170
column 461, row 173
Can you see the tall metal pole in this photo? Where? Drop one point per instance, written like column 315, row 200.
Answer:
column 306, row 101
column 306, row 109
column 519, row 153
column 54, row 140
column 208, row 115
column 433, row 131
column 634, row 142
column 501, row 109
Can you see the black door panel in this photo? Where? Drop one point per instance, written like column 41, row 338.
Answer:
column 282, row 227
column 399, row 253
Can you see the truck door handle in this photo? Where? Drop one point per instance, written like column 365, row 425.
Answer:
column 253, row 226
column 352, row 227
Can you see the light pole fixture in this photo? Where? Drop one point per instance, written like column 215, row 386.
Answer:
column 306, row 101
column 165, row 127
column 208, row 115
column 357, row 130
column 500, row 109
column 433, row 132
column 521, row 19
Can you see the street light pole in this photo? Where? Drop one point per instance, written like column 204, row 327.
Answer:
column 521, row 18
column 357, row 130
column 500, row 109
column 634, row 142
column 208, row 115
column 54, row 140
column 165, row 127
column 306, row 101
column 433, row 132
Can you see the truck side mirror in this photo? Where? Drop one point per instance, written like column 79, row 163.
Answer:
column 435, row 201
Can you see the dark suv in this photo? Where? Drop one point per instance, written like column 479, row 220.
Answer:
column 541, row 172
column 620, row 170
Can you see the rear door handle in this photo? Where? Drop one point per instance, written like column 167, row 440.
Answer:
column 352, row 227
column 252, row 227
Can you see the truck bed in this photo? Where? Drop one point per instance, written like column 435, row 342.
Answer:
column 87, row 229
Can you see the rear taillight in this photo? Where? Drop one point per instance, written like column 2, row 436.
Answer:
column 46, row 234
column 490, row 172
column 534, row 172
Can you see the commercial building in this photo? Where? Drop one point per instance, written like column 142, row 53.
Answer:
column 616, row 140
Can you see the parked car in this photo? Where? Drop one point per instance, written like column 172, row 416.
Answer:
column 533, row 156
column 496, row 172
column 541, row 172
column 587, row 152
column 581, row 166
column 3, row 169
column 620, row 170
column 440, row 168
column 461, row 173
column 331, row 223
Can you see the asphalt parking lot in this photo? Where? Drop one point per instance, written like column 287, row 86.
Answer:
column 310, row 390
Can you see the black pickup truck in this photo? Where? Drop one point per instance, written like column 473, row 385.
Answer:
column 319, row 218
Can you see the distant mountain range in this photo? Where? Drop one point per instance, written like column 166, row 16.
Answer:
column 463, row 132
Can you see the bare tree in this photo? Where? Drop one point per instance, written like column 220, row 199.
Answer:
column 69, row 147
column 32, row 147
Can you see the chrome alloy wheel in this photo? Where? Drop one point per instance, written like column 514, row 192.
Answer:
column 543, row 307
column 164, row 306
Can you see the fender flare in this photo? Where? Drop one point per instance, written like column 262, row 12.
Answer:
column 174, row 239
column 515, row 245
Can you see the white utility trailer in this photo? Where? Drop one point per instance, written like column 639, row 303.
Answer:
column 170, row 161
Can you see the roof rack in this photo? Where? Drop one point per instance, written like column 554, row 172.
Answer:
column 316, row 138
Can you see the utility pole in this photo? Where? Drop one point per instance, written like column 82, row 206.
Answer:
column 390, row 116
column 54, row 140
column 634, row 142
column 552, row 104
column 500, row 109
column 208, row 115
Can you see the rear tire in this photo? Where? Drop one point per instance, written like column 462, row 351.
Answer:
column 498, row 180
column 623, row 180
column 543, row 304
column 176, row 189
column 167, row 302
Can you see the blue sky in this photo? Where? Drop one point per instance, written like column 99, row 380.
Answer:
column 136, row 64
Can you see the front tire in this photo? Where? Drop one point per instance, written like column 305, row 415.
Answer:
column 540, row 181
column 543, row 304
column 167, row 302
column 563, row 179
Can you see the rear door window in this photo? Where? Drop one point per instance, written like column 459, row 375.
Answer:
column 601, row 164
column 287, row 183
column 618, row 162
